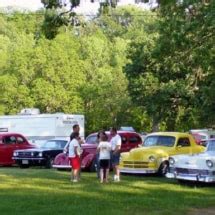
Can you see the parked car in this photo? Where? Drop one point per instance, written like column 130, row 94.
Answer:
column 10, row 142
column 143, row 135
column 198, row 167
column 202, row 135
column 153, row 156
column 41, row 156
column 129, row 140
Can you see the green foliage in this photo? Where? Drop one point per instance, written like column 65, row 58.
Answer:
column 150, row 70
column 165, row 73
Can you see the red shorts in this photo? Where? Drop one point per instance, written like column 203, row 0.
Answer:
column 75, row 162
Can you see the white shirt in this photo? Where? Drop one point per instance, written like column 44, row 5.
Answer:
column 105, row 148
column 116, row 141
column 74, row 143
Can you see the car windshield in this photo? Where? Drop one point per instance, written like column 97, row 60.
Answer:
column 54, row 144
column 211, row 145
column 92, row 139
column 168, row 141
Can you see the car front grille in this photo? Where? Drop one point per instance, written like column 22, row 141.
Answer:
column 135, row 164
column 25, row 154
column 192, row 171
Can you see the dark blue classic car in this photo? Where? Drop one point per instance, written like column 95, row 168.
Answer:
column 42, row 156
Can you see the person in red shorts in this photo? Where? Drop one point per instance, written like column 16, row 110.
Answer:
column 74, row 157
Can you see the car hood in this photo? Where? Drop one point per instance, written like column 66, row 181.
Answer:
column 194, row 160
column 203, row 155
column 38, row 150
column 142, row 152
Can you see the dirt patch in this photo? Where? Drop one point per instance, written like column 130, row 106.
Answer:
column 204, row 211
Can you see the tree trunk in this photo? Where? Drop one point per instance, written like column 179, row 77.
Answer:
column 155, row 124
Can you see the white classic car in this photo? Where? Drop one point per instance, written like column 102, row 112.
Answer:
column 196, row 167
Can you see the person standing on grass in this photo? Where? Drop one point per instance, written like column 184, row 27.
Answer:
column 75, row 129
column 74, row 157
column 116, row 143
column 98, row 140
column 104, row 149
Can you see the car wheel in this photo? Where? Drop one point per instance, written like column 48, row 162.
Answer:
column 49, row 163
column 163, row 169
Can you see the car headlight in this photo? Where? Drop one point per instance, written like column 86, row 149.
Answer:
column 15, row 154
column 152, row 158
column 209, row 163
column 40, row 154
column 171, row 161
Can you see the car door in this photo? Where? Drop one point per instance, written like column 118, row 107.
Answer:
column 3, row 152
column 133, row 141
column 183, row 146
column 7, row 146
column 124, row 146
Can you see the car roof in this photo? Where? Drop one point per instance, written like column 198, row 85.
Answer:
column 60, row 139
column 168, row 133
column 213, row 139
column 118, row 132
column 2, row 134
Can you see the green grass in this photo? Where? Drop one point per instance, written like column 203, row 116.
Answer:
column 42, row 191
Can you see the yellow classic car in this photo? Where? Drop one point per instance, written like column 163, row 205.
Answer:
column 153, row 155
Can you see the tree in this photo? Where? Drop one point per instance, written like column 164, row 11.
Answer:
column 57, row 16
column 105, row 91
column 165, row 76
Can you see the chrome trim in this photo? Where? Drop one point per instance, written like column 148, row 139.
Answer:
column 61, row 166
column 15, row 158
column 137, row 171
column 194, row 177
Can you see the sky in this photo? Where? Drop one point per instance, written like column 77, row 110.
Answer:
column 27, row 4
column 34, row 5
column 85, row 7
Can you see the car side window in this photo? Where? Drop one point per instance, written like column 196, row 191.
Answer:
column 63, row 144
column 124, row 139
column 134, row 139
column 9, row 140
column 20, row 140
column 91, row 139
column 183, row 142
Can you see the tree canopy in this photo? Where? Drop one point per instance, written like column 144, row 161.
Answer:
column 153, row 70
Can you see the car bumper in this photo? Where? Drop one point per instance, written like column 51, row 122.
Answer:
column 61, row 166
column 15, row 158
column 30, row 161
column 193, row 177
column 65, row 166
column 137, row 171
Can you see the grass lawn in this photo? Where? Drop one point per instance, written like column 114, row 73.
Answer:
column 43, row 191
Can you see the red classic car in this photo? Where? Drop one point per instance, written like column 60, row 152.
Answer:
column 10, row 142
column 202, row 135
column 129, row 140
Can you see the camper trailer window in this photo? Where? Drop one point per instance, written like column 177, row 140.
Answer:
column 3, row 129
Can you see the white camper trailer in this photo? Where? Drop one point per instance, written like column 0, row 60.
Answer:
column 38, row 127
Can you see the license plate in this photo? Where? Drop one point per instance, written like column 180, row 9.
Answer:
column 24, row 161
